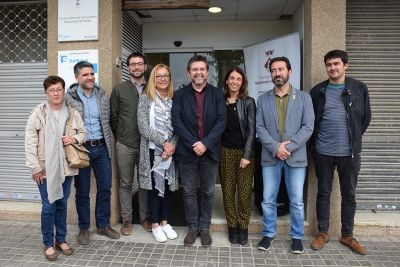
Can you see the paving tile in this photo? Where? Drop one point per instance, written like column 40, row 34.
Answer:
column 20, row 247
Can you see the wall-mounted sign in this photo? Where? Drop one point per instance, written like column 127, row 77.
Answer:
column 78, row 20
column 258, row 56
column 68, row 59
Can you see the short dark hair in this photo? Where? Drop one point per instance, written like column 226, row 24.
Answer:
column 243, row 89
column 136, row 54
column 198, row 58
column 284, row 59
column 49, row 81
column 80, row 65
column 337, row 54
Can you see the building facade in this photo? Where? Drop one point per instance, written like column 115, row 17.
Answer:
column 368, row 30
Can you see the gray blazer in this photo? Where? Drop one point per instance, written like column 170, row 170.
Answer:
column 298, row 128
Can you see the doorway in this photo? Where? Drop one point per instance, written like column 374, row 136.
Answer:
column 220, row 62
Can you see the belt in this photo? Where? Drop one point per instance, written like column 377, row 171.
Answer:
column 95, row 142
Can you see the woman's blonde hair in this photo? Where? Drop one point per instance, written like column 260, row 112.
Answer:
column 150, row 90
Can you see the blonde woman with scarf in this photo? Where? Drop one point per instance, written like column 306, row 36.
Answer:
column 45, row 157
column 157, row 170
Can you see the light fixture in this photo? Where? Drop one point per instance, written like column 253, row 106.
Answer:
column 214, row 9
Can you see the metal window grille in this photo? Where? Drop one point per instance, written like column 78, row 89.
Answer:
column 23, row 33
column 131, row 39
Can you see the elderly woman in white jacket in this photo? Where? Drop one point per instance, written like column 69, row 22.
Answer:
column 47, row 162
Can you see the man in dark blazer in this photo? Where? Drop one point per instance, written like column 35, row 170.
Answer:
column 199, row 119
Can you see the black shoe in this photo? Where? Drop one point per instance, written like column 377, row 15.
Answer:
column 297, row 246
column 233, row 235
column 265, row 243
column 243, row 236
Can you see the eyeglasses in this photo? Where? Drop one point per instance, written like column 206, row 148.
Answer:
column 53, row 91
column 196, row 70
column 165, row 76
column 133, row 64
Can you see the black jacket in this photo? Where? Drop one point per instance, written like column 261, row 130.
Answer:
column 247, row 119
column 184, row 121
column 355, row 100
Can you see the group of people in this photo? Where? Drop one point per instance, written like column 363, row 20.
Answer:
column 186, row 138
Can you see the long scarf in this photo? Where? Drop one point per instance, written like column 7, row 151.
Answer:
column 54, row 152
column 162, row 112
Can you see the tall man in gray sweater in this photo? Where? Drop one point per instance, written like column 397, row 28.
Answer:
column 342, row 115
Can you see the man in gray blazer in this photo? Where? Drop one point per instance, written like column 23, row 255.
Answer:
column 284, row 123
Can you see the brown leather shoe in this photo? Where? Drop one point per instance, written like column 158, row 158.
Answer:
column 83, row 236
column 146, row 224
column 191, row 237
column 352, row 243
column 51, row 257
column 109, row 232
column 126, row 228
column 320, row 241
column 206, row 239
column 69, row 251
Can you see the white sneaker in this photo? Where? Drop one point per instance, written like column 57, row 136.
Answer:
column 159, row 234
column 169, row 232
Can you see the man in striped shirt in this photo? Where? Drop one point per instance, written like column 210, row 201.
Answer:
column 342, row 114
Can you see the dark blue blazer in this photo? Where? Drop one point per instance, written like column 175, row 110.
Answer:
column 184, row 122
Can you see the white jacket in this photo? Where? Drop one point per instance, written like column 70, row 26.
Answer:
column 35, row 139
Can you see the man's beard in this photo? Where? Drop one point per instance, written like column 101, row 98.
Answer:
column 281, row 83
column 137, row 76
column 196, row 82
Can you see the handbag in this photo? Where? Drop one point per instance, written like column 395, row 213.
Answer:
column 77, row 155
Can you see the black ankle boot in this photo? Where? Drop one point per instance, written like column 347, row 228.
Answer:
column 233, row 235
column 243, row 236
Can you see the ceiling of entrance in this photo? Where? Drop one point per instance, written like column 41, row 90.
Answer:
column 153, row 11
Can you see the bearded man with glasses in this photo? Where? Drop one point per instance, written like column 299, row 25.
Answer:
column 124, row 101
column 199, row 120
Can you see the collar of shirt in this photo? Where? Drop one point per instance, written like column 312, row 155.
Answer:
column 139, row 87
column 336, row 86
column 199, row 92
column 287, row 93
column 81, row 93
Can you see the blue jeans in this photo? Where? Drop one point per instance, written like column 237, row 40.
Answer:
column 55, row 214
column 206, row 168
column 294, row 180
column 348, row 169
column 101, row 164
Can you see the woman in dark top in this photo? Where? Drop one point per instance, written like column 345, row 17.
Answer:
column 237, row 166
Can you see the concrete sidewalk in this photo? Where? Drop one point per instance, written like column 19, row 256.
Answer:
column 21, row 245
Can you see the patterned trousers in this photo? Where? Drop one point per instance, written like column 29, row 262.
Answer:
column 235, row 178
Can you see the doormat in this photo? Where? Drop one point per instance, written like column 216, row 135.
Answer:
column 177, row 214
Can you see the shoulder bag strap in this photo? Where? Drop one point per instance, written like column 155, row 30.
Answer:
column 68, row 125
